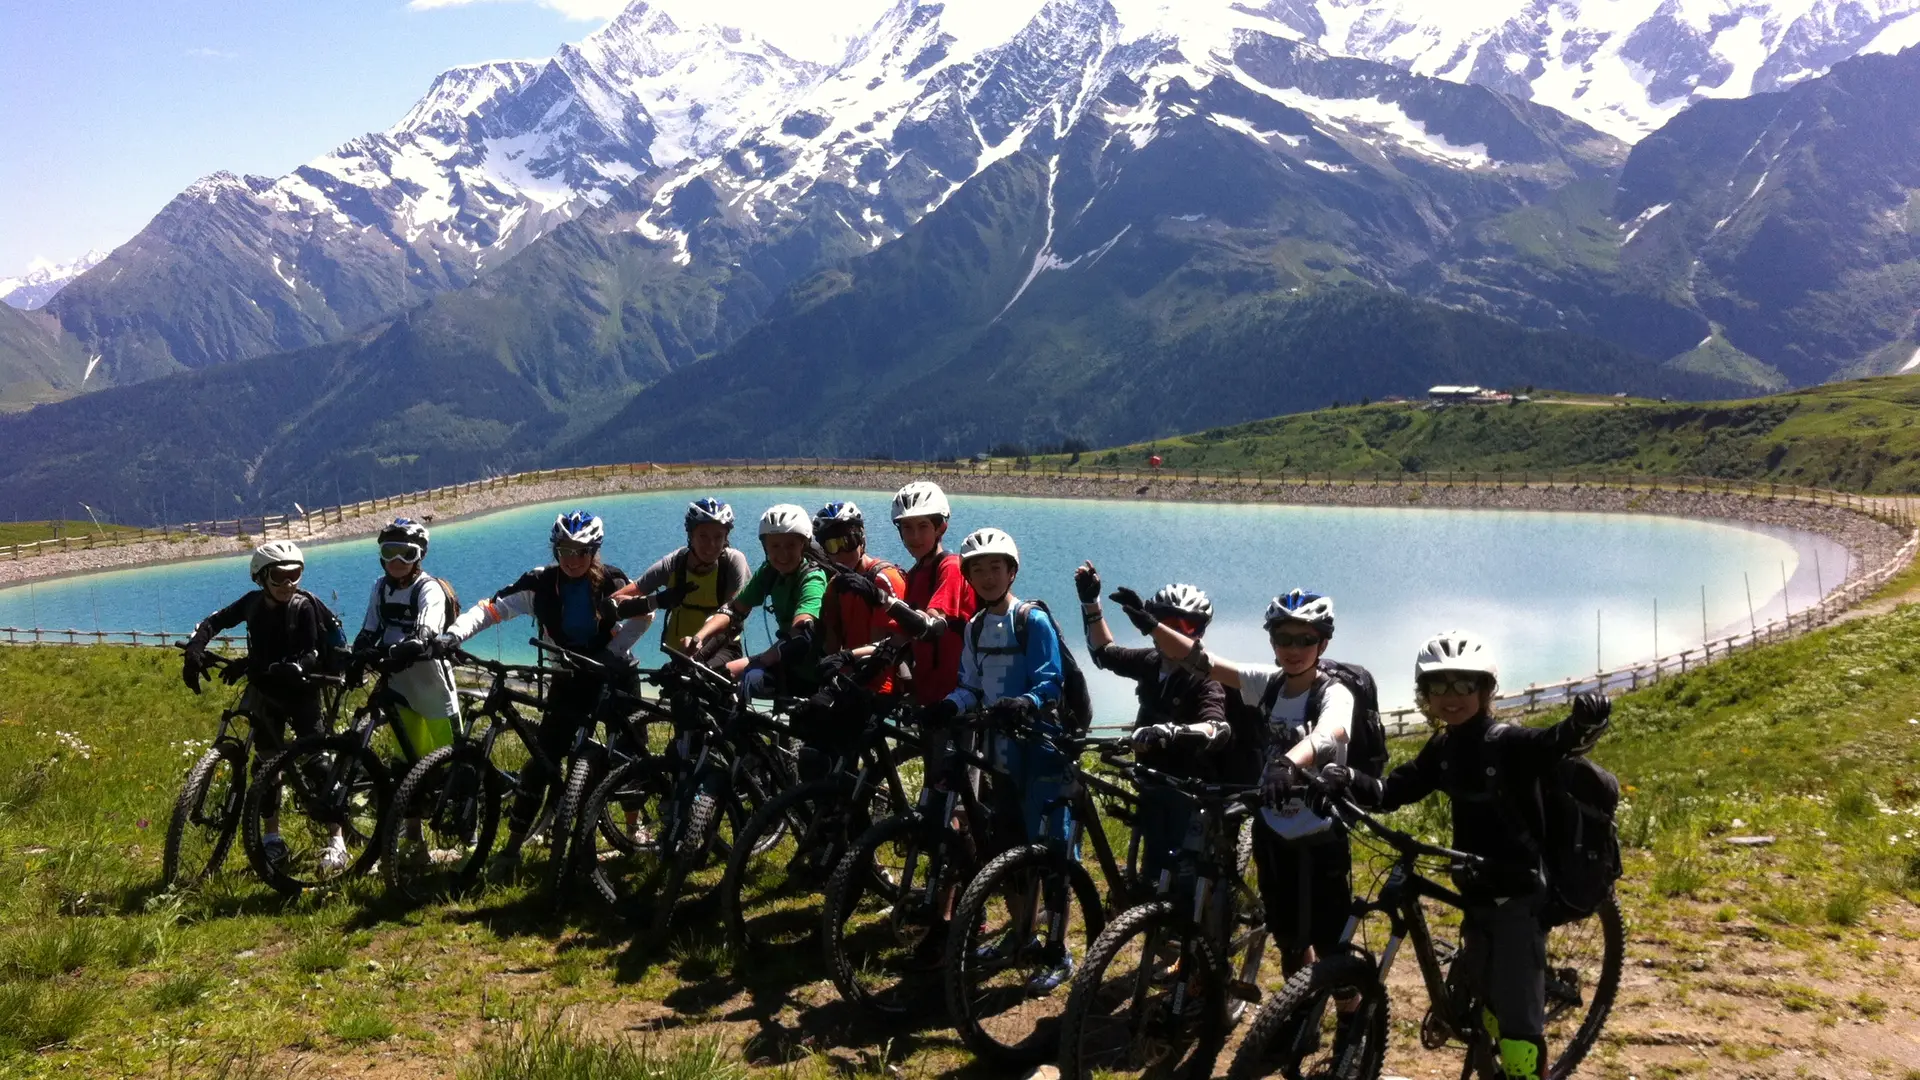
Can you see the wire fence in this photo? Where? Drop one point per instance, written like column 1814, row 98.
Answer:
column 1896, row 510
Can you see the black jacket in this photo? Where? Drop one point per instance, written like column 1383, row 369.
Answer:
column 1180, row 698
column 275, row 633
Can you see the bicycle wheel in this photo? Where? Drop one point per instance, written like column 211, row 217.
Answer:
column 769, row 893
column 583, row 773
column 873, row 933
column 1301, row 1035
column 1147, row 1002
column 455, row 794
column 1583, row 975
column 622, row 863
column 713, row 819
column 1024, row 925
column 205, row 816
column 322, row 784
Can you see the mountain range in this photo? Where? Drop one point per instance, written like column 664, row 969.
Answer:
column 680, row 241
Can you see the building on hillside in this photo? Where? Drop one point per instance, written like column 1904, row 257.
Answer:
column 1466, row 395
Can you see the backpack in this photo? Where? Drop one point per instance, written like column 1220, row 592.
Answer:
column 1581, row 852
column 333, row 636
column 726, row 583
column 1076, row 703
column 1367, row 737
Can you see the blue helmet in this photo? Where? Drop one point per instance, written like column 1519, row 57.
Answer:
column 709, row 511
column 837, row 517
column 1302, row 606
column 579, row 527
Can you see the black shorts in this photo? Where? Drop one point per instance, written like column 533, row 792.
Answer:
column 1306, row 888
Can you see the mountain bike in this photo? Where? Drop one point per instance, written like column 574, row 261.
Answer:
column 457, row 791
column 766, row 891
column 1295, row 1036
column 206, row 813
column 1167, row 979
column 1031, row 915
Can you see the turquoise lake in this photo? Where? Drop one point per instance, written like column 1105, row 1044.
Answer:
column 1531, row 582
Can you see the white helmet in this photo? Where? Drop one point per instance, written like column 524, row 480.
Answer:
column 785, row 519
column 275, row 553
column 922, row 498
column 709, row 511
column 1456, row 651
column 988, row 541
column 1181, row 602
column 579, row 527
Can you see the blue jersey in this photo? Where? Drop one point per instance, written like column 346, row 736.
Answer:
column 993, row 665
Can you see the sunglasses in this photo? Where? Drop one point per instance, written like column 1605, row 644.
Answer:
column 571, row 551
column 1459, row 684
column 1294, row 641
column 834, row 545
column 290, row 576
column 406, row 553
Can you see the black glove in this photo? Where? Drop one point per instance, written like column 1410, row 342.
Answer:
column 1135, row 609
column 1590, row 717
column 234, row 671
column 939, row 714
column 1017, row 708
column 835, row 663
column 859, row 585
column 285, row 670
column 405, row 654
column 193, row 664
column 1086, row 581
column 1339, row 779
column 444, row 646
column 1277, row 784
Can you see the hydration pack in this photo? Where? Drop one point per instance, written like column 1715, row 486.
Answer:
column 1581, row 851
column 1367, row 737
column 333, row 636
column 1076, row 703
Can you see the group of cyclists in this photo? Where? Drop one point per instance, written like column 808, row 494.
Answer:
column 877, row 671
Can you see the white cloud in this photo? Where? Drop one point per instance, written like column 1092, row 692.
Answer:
column 204, row 53
column 584, row 10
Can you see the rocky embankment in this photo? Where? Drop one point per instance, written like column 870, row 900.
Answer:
column 1871, row 542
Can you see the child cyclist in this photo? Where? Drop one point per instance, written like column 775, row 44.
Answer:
column 855, row 614
column 1491, row 773
column 692, row 583
column 1016, row 678
column 937, row 591
column 1305, row 876
column 570, row 599
column 288, row 631
column 1183, row 727
column 408, row 608
column 793, row 583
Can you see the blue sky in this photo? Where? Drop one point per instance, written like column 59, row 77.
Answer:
column 111, row 107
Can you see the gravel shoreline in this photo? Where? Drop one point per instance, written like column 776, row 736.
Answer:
column 1870, row 542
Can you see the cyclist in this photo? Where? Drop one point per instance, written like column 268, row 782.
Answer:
column 1304, row 869
column 1010, row 666
column 1183, row 727
column 790, row 581
column 570, row 600
column 855, row 615
column 408, row 608
column 1491, row 773
column 289, row 632
column 938, row 593
column 693, row 582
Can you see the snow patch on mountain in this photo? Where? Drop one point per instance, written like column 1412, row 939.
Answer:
column 44, row 278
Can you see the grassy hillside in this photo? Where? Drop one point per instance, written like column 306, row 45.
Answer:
column 1809, row 742
column 1856, row 436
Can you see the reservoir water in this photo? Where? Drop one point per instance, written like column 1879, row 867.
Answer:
column 1534, row 583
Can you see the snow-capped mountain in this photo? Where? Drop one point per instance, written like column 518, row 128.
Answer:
column 43, row 278
column 1624, row 66
column 493, row 156
column 701, row 137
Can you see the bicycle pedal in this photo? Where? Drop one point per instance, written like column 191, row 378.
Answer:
column 1435, row 1032
column 1242, row 990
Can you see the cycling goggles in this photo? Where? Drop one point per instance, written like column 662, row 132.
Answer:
column 284, row 575
column 406, row 553
column 1294, row 641
column 566, row 549
column 1452, row 684
column 834, row 545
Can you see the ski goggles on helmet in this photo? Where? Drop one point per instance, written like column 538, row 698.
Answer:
column 1452, row 684
column 404, row 552
column 834, row 545
column 283, row 575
